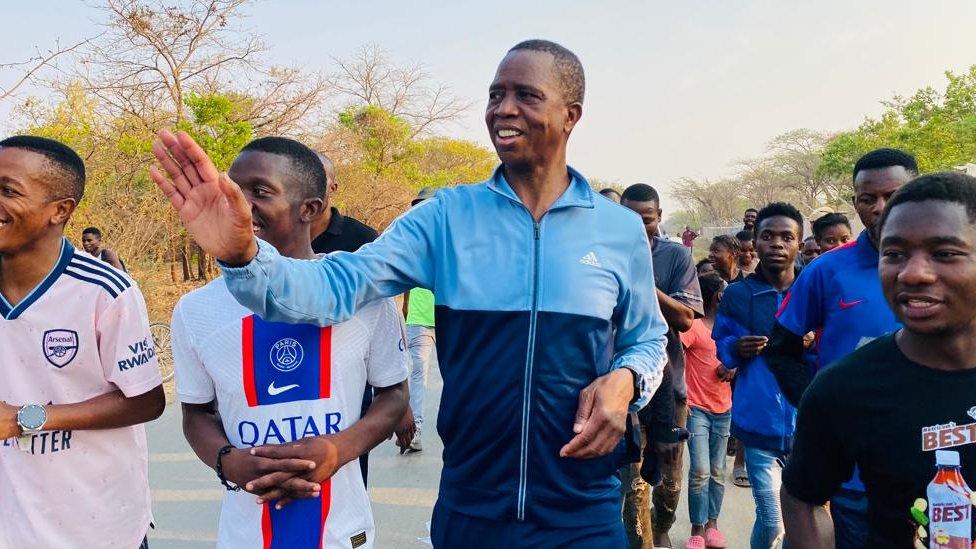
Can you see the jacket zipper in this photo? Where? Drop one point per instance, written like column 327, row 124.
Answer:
column 527, row 386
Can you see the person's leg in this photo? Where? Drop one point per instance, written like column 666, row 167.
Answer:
column 698, row 452
column 766, row 475
column 665, row 497
column 718, row 438
column 636, row 504
column 849, row 511
column 449, row 530
column 609, row 536
column 420, row 342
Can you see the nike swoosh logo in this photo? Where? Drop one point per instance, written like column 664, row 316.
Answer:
column 275, row 391
column 845, row 305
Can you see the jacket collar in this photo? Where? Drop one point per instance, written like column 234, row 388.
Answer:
column 759, row 284
column 577, row 195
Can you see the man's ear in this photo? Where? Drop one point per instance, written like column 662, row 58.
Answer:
column 311, row 208
column 62, row 211
column 574, row 111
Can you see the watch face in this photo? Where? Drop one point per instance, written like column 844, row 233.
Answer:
column 31, row 417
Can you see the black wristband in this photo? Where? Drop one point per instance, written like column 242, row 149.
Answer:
column 637, row 385
column 220, row 469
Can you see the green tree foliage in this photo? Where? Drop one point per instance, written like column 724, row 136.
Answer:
column 938, row 128
column 217, row 122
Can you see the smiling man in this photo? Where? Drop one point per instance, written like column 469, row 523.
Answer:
column 548, row 328
column 78, row 375
column 903, row 404
column 246, row 383
column 839, row 297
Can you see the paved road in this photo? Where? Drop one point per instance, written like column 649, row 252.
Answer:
column 186, row 494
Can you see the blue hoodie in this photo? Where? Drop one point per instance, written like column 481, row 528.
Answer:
column 528, row 314
column 761, row 416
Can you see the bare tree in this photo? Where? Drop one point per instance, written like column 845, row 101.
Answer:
column 150, row 53
column 796, row 156
column 371, row 78
column 717, row 202
column 22, row 72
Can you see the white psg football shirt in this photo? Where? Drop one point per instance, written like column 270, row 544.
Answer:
column 276, row 383
column 81, row 333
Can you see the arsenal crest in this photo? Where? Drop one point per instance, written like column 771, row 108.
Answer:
column 60, row 347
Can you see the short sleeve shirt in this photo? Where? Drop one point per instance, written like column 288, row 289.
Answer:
column 83, row 332
column 420, row 308
column 887, row 415
column 675, row 275
column 705, row 389
column 276, row 383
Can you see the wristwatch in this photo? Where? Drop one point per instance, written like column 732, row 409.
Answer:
column 31, row 419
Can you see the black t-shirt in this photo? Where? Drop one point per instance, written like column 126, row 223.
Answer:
column 888, row 415
column 344, row 234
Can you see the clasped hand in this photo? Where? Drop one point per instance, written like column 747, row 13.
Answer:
column 282, row 473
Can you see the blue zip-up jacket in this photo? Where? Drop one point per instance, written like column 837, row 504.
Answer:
column 761, row 415
column 528, row 314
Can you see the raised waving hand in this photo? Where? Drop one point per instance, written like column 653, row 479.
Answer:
column 211, row 207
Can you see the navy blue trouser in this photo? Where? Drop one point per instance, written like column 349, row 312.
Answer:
column 450, row 530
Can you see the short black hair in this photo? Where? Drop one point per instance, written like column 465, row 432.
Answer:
column 66, row 165
column 750, row 210
column 777, row 209
column 885, row 158
column 746, row 234
column 609, row 190
column 729, row 242
column 306, row 165
column 568, row 68
column 640, row 192
column 92, row 230
column 827, row 221
column 701, row 263
column 711, row 284
column 946, row 186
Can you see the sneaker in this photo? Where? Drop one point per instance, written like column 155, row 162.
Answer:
column 695, row 542
column 416, row 445
column 715, row 539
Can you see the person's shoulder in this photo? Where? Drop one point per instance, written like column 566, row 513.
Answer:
column 839, row 257
column 868, row 363
column 85, row 268
column 357, row 226
column 209, row 295
column 674, row 249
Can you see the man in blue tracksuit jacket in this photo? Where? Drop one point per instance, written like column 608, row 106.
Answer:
column 548, row 327
column 762, row 418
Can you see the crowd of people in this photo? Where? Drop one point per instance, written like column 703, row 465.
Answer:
column 581, row 350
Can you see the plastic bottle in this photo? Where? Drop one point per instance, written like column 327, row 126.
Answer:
column 950, row 508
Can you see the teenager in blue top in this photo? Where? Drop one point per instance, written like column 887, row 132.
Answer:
column 839, row 297
column 548, row 327
column 762, row 419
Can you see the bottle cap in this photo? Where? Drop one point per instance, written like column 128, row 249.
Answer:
column 949, row 458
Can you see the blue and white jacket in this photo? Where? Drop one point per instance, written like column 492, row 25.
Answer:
column 761, row 415
column 528, row 314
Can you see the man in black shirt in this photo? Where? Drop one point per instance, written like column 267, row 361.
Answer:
column 334, row 232
column 894, row 404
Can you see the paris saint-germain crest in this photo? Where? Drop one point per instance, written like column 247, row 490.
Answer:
column 60, row 347
column 286, row 354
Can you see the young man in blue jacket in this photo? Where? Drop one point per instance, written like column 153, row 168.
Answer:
column 762, row 419
column 548, row 329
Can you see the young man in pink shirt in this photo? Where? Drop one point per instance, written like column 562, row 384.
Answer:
column 79, row 374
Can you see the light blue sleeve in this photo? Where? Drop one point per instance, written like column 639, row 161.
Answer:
column 331, row 290
column 640, row 338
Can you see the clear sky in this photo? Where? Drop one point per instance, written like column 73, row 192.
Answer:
column 673, row 88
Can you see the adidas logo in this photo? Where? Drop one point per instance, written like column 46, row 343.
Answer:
column 590, row 259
